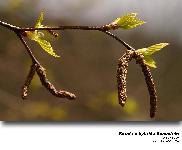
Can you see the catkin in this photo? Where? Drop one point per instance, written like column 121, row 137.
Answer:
column 122, row 74
column 28, row 81
column 150, row 83
column 50, row 87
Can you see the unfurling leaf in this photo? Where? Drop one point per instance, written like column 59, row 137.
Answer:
column 147, row 52
column 128, row 21
column 47, row 47
column 38, row 23
column 38, row 36
column 152, row 49
column 150, row 62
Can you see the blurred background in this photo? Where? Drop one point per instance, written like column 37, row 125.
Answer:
column 88, row 62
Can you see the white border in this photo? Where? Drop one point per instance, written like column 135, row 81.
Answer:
column 93, row 136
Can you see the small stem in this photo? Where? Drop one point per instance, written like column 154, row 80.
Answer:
column 34, row 60
column 119, row 40
column 9, row 26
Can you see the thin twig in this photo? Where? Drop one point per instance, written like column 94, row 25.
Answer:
column 9, row 26
column 34, row 60
column 128, row 47
column 103, row 29
column 65, row 28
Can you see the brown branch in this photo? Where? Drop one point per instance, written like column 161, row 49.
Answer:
column 66, row 28
column 36, row 66
column 42, row 75
column 34, row 60
column 10, row 26
column 105, row 29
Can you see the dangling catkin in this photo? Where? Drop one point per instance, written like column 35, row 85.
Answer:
column 122, row 74
column 50, row 87
column 150, row 83
column 28, row 81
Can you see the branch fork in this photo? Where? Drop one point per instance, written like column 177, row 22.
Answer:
column 127, row 22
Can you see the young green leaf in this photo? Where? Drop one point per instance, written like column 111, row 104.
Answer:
column 152, row 49
column 38, row 36
column 147, row 52
column 150, row 62
column 38, row 23
column 128, row 21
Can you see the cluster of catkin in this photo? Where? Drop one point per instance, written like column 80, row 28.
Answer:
column 122, row 75
column 41, row 72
